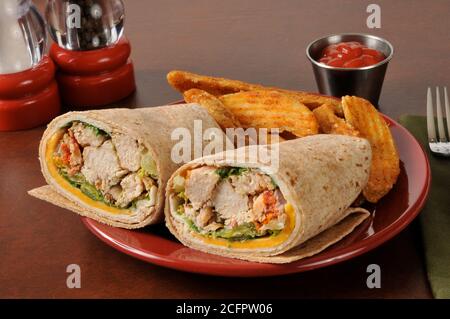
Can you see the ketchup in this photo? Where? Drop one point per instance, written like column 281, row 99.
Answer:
column 350, row 55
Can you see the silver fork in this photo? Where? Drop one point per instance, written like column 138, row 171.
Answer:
column 441, row 145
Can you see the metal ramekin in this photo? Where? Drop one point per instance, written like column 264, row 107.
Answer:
column 364, row 82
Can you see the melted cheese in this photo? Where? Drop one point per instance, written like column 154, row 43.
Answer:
column 258, row 242
column 62, row 182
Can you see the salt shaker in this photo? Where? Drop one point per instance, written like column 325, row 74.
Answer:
column 28, row 90
column 92, row 55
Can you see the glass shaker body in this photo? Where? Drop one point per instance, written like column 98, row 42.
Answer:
column 93, row 58
column 29, row 94
column 22, row 36
column 85, row 24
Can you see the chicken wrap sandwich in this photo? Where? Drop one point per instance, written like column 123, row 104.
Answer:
column 238, row 208
column 112, row 165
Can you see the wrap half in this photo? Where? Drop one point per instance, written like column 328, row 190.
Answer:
column 245, row 209
column 113, row 165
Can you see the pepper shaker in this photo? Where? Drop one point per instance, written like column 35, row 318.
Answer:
column 92, row 55
column 28, row 90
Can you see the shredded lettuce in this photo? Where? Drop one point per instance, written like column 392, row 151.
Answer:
column 92, row 192
column 148, row 166
column 273, row 182
column 75, row 180
column 96, row 130
column 273, row 232
column 225, row 172
column 191, row 225
column 245, row 231
column 180, row 210
column 178, row 183
column 182, row 195
column 79, row 181
column 241, row 232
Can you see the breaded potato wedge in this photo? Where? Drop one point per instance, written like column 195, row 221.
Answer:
column 313, row 100
column 224, row 117
column 183, row 81
column 271, row 109
column 385, row 167
column 330, row 123
column 214, row 106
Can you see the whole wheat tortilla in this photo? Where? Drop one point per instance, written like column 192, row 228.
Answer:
column 151, row 127
column 320, row 176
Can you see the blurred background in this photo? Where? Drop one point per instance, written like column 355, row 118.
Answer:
column 260, row 42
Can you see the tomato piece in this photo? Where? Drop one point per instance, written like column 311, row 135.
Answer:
column 329, row 50
column 376, row 54
column 354, row 44
column 336, row 62
column 369, row 59
column 334, row 53
column 341, row 46
column 355, row 63
column 65, row 150
column 350, row 54
column 354, row 53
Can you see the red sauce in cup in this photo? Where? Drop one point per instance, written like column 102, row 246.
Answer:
column 350, row 55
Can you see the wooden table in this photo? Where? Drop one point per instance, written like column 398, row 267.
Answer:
column 256, row 41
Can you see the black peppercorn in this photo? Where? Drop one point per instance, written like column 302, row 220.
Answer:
column 91, row 33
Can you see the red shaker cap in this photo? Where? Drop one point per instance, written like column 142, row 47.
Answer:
column 28, row 82
column 93, row 78
column 29, row 98
column 91, row 61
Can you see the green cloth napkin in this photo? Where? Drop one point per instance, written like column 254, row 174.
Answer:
column 435, row 217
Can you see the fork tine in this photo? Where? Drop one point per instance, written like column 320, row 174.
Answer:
column 440, row 120
column 430, row 117
column 447, row 111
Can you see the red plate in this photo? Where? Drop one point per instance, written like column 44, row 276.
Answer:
column 393, row 213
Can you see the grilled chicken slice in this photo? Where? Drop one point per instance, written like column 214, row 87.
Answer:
column 101, row 166
column 128, row 151
column 132, row 187
column 251, row 182
column 86, row 135
column 205, row 215
column 200, row 184
column 228, row 202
